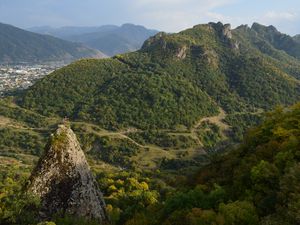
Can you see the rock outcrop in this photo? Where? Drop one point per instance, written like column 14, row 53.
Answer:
column 63, row 181
column 227, row 31
column 182, row 52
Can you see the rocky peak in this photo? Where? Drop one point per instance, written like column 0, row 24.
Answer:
column 223, row 30
column 227, row 31
column 157, row 39
column 63, row 180
column 171, row 47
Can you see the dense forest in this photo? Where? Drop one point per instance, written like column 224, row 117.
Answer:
column 174, row 80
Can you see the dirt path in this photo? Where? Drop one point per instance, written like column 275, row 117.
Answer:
column 218, row 120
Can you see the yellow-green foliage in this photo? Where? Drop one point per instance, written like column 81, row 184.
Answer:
column 16, row 207
column 127, row 193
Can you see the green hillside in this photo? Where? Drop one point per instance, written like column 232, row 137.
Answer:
column 17, row 45
column 175, row 79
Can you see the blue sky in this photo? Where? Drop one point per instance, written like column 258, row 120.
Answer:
column 166, row 15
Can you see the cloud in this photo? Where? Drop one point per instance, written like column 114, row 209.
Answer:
column 284, row 21
column 175, row 15
column 218, row 17
column 185, row 3
column 272, row 15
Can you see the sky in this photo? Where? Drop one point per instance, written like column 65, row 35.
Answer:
column 164, row 15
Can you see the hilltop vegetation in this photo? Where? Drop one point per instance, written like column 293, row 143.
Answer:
column 173, row 80
column 113, row 95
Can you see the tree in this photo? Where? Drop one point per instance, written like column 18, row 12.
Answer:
column 239, row 213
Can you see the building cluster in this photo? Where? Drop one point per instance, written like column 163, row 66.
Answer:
column 18, row 77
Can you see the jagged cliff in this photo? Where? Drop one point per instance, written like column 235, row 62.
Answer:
column 63, row 181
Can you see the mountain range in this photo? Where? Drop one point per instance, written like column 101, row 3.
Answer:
column 109, row 39
column 17, row 45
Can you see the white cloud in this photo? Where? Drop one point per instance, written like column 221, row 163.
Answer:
column 176, row 15
column 184, row 3
column 272, row 15
column 218, row 17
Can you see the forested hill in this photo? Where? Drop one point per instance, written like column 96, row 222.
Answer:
column 175, row 79
column 17, row 45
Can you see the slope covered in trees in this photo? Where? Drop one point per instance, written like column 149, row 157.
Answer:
column 175, row 79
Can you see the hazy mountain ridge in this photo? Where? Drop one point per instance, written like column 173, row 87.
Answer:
column 109, row 39
column 18, row 45
column 69, row 31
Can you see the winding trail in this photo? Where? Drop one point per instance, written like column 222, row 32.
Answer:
column 218, row 120
column 149, row 154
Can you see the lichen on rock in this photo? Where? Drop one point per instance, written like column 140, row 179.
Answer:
column 63, row 181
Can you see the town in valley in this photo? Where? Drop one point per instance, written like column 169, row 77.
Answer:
column 21, row 76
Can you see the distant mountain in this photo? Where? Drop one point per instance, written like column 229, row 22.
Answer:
column 109, row 39
column 17, row 45
column 66, row 32
column 297, row 38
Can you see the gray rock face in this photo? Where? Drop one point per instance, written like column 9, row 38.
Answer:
column 182, row 52
column 227, row 31
column 223, row 30
column 63, row 181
